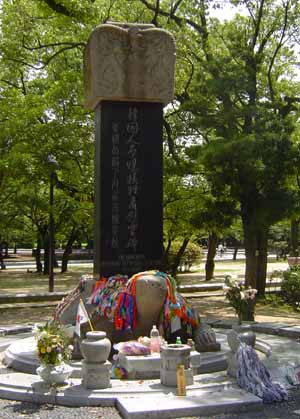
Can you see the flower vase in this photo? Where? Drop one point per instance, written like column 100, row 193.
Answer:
column 96, row 347
column 54, row 374
column 246, row 313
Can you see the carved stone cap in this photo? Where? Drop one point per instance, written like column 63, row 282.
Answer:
column 129, row 62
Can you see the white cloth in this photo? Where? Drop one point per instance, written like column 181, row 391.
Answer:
column 81, row 317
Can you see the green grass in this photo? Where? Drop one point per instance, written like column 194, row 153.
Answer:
column 13, row 281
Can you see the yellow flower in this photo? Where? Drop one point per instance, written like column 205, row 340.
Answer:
column 43, row 350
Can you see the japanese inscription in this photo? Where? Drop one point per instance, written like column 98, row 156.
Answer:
column 132, row 129
column 115, row 164
column 128, row 209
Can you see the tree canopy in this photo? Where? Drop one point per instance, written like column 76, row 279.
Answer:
column 231, row 134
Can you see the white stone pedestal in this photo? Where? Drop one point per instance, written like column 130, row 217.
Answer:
column 172, row 356
column 96, row 375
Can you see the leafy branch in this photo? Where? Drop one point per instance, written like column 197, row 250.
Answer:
column 55, row 44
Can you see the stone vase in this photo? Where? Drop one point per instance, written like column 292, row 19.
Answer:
column 95, row 348
column 54, row 374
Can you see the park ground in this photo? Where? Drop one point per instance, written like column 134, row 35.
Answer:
column 19, row 279
column 16, row 280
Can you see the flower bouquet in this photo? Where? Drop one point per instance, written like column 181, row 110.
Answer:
column 241, row 298
column 53, row 347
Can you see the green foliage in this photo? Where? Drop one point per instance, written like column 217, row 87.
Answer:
column 191, row 256
column 290, row 286
column 231, row 135
column 279, row 237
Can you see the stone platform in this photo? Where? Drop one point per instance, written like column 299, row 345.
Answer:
column 213, row 393
column 22, row 357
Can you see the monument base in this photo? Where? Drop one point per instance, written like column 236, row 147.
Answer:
column 96, row 376
column 148, row 367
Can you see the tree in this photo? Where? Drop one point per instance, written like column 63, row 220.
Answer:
column 215, row 215
column 252, row 115
column 41, row 84
column 242, row 98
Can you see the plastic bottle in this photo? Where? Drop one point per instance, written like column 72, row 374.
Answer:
column 181, row 381
column 178, row 340
column 191, row 343
column 154, row 340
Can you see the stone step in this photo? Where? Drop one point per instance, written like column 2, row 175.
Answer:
column 29, row 304
column 31, row 297
column 200, row 403
column 217, row 286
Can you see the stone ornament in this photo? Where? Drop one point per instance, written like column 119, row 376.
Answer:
column 95, row 347
column 234, row 339
column 173, row 355
column 54, row 374
column 96, row 369
column 129, row 62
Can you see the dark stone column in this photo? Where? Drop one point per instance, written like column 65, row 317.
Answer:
column 128, row 78
column 128, row 187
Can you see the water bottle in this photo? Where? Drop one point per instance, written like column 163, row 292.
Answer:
column 154, row 340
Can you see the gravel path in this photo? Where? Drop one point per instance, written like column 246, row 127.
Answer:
column 23, row 410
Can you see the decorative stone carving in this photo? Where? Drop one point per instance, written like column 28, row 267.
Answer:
column 205, row 339
column 129, row 62
column 95, row 347
column 54, row 374
column 95, row 367
column 96, row 376
column 151, row 293
column 172, row 356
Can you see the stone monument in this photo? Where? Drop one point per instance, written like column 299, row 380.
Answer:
column 150, row 295
column 129, row 77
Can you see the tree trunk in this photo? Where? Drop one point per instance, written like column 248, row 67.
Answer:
column 235, row 252
column 179, row 255
column 251, row 254
column 2, row 264
column 46, row 254
column 38, row 259
column 262, row 260
column 6, row 250
column 294, row 237
column 166, row 256
column 68, row 251
column 256, row 247
column 55, row 260
column 211, row 253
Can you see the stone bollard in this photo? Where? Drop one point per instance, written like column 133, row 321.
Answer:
column 171, row 356
column 96, row 370
column 234, row 339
